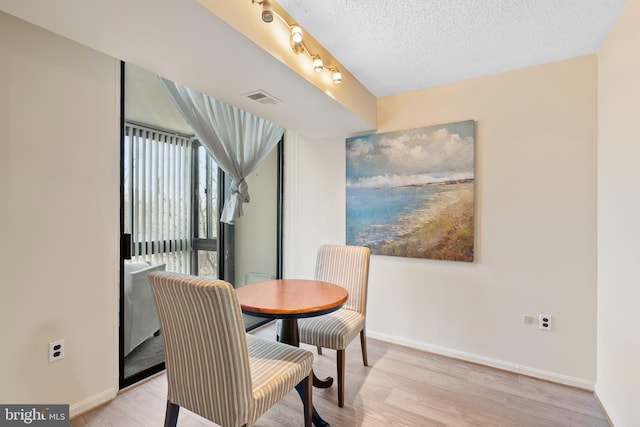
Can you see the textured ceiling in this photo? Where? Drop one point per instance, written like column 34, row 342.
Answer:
column 403, row 45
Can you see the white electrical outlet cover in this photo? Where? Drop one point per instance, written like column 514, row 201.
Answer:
column 56, row 350
column 544, row 322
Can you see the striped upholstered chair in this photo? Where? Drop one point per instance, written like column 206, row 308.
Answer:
column 214, row 368
column 347, row 266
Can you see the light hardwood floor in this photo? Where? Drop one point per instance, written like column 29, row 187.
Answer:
column 401, row 387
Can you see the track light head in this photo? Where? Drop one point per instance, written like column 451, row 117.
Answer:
column 337, row 76
column 318, row 66
column 267, row 11
column 296, row 39
column 296, row 34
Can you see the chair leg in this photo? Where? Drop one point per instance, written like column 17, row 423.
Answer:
column 319, row 350
column 171, row 416
column 307, row 399
column 340, row 360
column 363, row 345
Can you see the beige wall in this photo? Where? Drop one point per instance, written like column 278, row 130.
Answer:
column 256, row 231
column 618, row 385
column 314, row 195
column 535, row 224
column 59, row 115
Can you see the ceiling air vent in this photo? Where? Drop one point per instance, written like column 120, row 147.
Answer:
column 263, row 97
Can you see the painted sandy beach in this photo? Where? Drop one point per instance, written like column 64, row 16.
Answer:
column 441, row 229
column 438, row 226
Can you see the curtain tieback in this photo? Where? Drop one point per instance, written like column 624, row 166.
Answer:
column 240, row 190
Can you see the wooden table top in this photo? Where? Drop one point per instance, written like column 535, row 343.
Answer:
column 291, row 298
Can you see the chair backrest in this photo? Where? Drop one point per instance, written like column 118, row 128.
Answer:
column 347, row 266
column 206, row 351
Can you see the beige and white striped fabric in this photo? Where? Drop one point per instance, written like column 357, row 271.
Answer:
column 347, row 266
column 214, row 368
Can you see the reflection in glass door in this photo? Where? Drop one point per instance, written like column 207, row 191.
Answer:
column 160, row 186
column 157, row 182
column 171, row 200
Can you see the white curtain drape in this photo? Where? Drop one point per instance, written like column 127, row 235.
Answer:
column 237, row 140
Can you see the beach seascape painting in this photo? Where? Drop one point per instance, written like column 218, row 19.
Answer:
column 410, row 192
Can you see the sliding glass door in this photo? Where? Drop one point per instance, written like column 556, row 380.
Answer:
column 169, row 214
column 172, row 194
column 158, row 201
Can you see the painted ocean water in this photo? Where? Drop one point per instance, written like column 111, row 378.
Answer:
column 375, row 215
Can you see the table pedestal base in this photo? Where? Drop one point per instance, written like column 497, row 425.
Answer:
column 325, row 383
column 288, row 334
column 316, row 419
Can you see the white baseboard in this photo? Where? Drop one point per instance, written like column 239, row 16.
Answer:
column 92, row 402
column 495, row 363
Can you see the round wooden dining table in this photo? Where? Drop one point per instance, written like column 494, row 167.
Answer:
column 289, row 300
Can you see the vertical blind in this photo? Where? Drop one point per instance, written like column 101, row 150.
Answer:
column 157, row 180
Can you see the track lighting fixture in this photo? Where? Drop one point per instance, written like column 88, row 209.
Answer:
column 296, row 39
